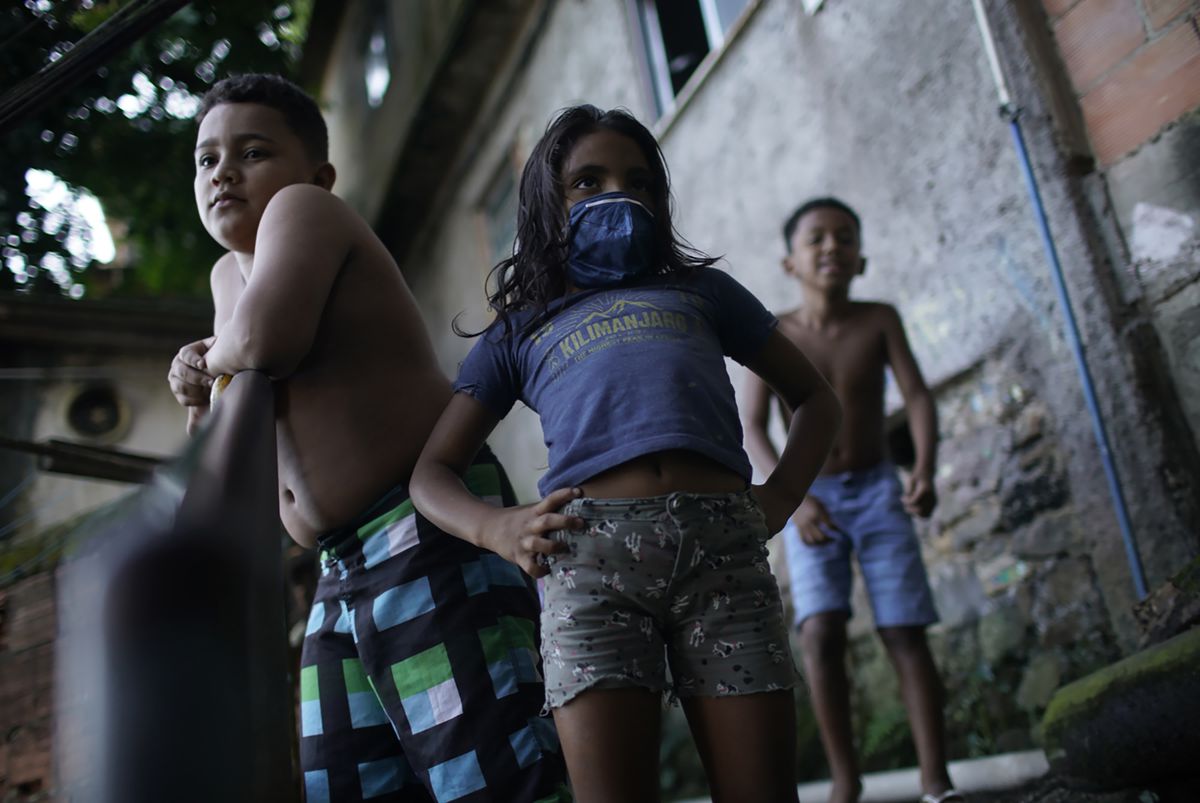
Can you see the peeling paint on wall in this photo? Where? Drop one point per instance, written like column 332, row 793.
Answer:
column 1159, row 234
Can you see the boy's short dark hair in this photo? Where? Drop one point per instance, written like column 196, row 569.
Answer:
column 824, row 202
column 297, row 107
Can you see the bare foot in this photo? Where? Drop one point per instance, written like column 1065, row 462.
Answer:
column 845, row 791
column 940, row 790
column 944, row 795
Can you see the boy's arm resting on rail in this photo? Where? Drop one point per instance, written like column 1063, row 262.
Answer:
column 304, row 238
column 920, row 496
column 816, row 416
column 517, row 534
column 190, row 381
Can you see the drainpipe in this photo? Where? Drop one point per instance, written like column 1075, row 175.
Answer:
column 1011, row 113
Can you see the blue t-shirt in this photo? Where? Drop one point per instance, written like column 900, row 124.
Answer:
column 617, row 373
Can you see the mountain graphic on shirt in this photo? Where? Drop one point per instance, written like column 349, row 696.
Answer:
column 618, row 308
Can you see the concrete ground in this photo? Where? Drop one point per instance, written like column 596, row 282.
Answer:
column 1008, row 778
column 1053, row 789
column 991, row 774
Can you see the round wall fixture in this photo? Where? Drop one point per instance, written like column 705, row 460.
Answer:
column 97, row 412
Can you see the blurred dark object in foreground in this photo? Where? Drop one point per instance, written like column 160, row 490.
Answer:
column 172, row 659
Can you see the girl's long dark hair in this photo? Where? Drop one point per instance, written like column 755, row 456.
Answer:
column 535, row 274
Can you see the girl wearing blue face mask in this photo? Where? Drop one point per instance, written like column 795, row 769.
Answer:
column 649, row 534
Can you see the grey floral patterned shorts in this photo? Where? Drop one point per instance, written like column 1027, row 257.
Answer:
column 679, row 581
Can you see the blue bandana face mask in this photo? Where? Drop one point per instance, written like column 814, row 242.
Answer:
column 612, row 239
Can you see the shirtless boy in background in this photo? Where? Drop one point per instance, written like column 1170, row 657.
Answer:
column 419, row 660
column 857, row 504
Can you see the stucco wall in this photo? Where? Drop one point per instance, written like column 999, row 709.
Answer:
column 363, row 140
column 818, row 105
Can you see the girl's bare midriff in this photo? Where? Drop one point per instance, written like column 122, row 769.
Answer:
column 663, row 473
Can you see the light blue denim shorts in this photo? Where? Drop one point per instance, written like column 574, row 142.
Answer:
column 866, row 506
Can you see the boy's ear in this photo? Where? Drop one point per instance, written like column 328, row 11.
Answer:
column 325, row 176
column 788, row 266
column 862, row 265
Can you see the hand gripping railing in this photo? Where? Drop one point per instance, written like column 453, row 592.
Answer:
column 172, row 659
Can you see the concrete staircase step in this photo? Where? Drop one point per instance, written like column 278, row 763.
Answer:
column 989, row 774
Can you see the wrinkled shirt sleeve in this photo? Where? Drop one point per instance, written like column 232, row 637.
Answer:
column 488, row 373
column 742, row 322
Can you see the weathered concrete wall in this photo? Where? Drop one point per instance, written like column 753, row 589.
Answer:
column 1139, row 388
column 363, row 140
column 1155, row 198
column 891, row 107
column 155, row 426
column 1132, row 70
column 909, row 138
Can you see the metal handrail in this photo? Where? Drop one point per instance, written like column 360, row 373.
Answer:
column 172, row 660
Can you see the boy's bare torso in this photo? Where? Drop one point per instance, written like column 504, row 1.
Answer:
column 353, row 416
column 851, row 352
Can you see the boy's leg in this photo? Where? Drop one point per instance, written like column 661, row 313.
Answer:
column 820, row 583
column 896, row 581
column 823, row 645
column 921, row 689
column 448, row 636
column 348, row 750
column 465, row 697
column 747, row 744
column 610, row 738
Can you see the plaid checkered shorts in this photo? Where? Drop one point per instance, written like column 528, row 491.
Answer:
column 419, row 676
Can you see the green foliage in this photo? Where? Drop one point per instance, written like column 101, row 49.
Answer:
column 811, row 762
column 1188, row 580
column 126, row 135
column 982, row 707
column 681, row 773
column 886, row 742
